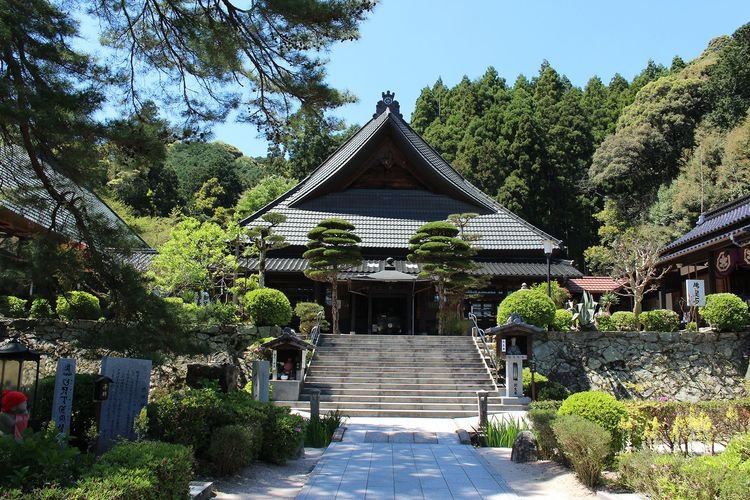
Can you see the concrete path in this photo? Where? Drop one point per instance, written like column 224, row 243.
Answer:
column 401, row 458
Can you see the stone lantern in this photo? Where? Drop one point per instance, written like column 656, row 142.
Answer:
column 13, row 356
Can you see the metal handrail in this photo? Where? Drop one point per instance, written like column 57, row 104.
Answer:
column 485, row 344
column 314, row 338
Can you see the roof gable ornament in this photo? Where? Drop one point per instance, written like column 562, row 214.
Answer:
column 387, row 102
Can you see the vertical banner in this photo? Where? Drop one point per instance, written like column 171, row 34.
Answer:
column 62, row 401
column 695, row 292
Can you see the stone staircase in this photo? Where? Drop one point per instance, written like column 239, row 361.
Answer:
column 400, row 376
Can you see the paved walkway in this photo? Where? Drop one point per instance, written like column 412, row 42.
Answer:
column 399, row 458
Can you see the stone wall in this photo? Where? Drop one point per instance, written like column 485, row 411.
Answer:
column 59, row 339
column 683, row 366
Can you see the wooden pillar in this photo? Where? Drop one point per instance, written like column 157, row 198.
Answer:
column 353, row 313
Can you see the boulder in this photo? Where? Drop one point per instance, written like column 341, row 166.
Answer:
column 525, row 448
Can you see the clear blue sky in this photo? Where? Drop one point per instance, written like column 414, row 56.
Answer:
column 406, row 45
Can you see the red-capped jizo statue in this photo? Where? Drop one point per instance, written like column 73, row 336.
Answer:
column 14, row 414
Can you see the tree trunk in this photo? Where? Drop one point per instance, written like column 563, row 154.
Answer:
column 262, row 270
column 440, row 289
column 335, row 306
column 637, row 299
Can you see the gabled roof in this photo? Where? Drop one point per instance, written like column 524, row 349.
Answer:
column 717, row 226
column 24, row 195
column 387, row 218
column 593, row 284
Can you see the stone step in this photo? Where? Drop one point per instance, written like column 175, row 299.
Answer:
column 380, row 398
column 388, row 369
column 399, row 392
column 415, row 379
column 393, row 412
column 390, row 385
column 379, row 359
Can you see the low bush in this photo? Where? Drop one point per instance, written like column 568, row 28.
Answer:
column 283, row 435
column 605, row 323
column 41, row 460
column 268, row 307
column 725, row 311
column 534, row 308
column 83, row 415
column 541, row 424
column 545, row 405
column 157, row 471
column 691, row 326
column 545, row 388
column 213, row 314
column 563, row 321
column 600, row 408
column 12, row 307
column 41, row 309
column 660, row 320
column 723, row 476
column 585, row 444
column 625, row 321
column 233, row 447
column 674, row 424
column 78, row 305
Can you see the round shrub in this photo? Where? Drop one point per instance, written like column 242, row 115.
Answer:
column 625, row 321
column 605, row 323
column 600, row 408
column 563, row 320
column 660, row 320
column 232, row 448
column 268, row 307
column 725, row 311
column 41, row 309
column 78, row 305
column 533, row 307
column 13, row 307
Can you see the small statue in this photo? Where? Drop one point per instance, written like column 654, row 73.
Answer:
column 514, row 349
column 14, row 414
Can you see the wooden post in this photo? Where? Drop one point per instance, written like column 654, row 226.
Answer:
column 482, row 404
column 314, row 404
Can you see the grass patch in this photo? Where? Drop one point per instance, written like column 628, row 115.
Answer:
column 501, row 433
column 319, row 431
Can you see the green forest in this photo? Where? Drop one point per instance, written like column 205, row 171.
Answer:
column 584, row 164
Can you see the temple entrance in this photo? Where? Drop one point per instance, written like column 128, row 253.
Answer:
column 389, row 315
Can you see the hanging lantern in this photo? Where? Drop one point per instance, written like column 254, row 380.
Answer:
column 13, row 355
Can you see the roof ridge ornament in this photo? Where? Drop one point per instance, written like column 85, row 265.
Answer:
column 387, row 102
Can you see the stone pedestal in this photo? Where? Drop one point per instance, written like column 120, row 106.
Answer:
column 514, row 375
column 525, row 448
column 286, row 390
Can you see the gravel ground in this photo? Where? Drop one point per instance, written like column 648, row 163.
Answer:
column 542, row 479
column 262, row 480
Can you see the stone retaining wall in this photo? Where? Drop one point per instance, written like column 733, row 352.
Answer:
column 683, row 366
column 58, row 339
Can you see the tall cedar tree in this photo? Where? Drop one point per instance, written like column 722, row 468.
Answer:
column 445, row 257
column 333, row 247
column 264, row 239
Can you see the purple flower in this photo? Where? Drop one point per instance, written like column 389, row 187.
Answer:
column 663, row 398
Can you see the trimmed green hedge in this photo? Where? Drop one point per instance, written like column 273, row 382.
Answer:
column 660, row 320
column 600, row 408
column 563, row 320
column 268, row 307
column 534, row 308
column 12, row 307
column 725, row 311
column 78, row 305
column 41, row 309
column 625, row 321
column 605, row 323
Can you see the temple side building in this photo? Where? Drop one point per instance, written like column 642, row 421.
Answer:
column 387, row 181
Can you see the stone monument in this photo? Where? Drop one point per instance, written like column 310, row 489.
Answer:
column 62, row 400
column 128, row 394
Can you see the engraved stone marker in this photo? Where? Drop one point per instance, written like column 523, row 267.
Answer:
column 128, row 394
column 62, row 400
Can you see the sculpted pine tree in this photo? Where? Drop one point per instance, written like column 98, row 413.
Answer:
column 264, row 239
column 332, row 248
column 445, row 257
